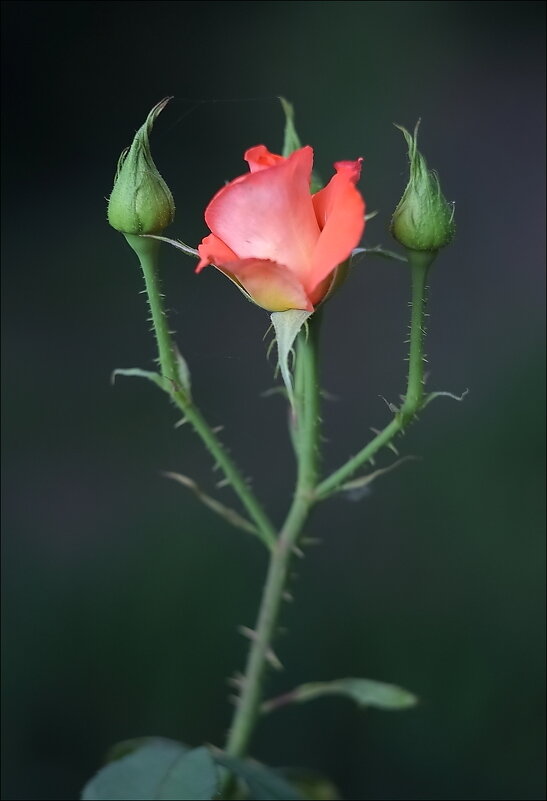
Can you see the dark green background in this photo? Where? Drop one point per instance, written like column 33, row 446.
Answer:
column 122, row 594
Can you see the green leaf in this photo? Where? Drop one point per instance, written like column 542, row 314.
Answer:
column 136, row 372
column 287, row 324
column 365, row 693
column 292, row 141
column 163, row 770
column 263, row 783
column 126, row 747
column 193, row 777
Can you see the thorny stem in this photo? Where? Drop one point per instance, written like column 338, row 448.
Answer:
column 308, row 492
column 306, row 431
column 305, row 434
column 414, row 397
column 147, row 250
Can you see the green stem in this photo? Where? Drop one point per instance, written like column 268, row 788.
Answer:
column 414, row 397
column 147, row 250
column 306, row 432
column 420, row 263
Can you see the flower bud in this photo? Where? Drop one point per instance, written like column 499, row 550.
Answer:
column 424, row 219
column 141, row 202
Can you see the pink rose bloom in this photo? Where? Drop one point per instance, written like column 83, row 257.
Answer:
column 277, row 241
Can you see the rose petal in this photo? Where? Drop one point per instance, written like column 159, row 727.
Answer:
column 269, row 284
column 351, row 168
column 340, row 211
column 213, row 251
column 323, row 201
column 268, row 215
column 259, row 158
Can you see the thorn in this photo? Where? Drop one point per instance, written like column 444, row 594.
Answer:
column 234, row 699
column 218, row 429
column 288, row 597
column 328, row 396
column 298, row 552
column 273, row 660
column 392, row 447
column 224, row 482
column 372, row 461
column 181, row 423
column 250, row 634
column 237, row 681
column 311, row 541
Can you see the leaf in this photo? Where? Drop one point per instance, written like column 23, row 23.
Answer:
column 193, row 777
column 292, row 142
column 365, row 692
column 233, row 517
column 163, row 770
column 287, row 324
column 136, row 372
column 263, row 783
column 126, row 747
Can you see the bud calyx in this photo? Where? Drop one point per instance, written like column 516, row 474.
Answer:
column 141, row 202
column 424, row 219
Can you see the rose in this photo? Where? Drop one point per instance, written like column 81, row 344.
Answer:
column 279, row 243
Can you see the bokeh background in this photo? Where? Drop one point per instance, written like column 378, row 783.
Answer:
column 122, row 594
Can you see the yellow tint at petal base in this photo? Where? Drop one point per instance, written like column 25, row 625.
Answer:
column 270, row 285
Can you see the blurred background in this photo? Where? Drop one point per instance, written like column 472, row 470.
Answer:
column 122, row 595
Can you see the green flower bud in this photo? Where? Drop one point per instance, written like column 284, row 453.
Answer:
column 141, row 202
column 424, row 219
